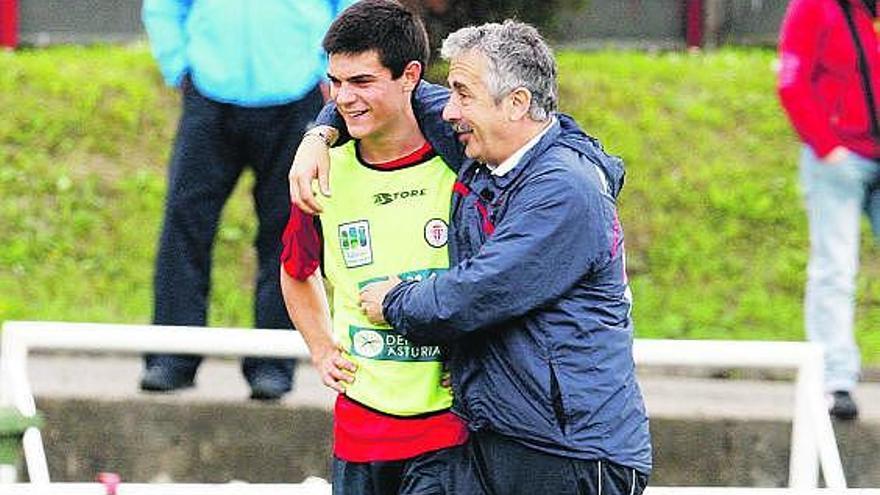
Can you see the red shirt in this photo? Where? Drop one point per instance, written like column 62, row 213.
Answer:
column 362, row 434
column 819, row 82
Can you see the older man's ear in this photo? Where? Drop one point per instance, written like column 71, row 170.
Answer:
column 517, row 104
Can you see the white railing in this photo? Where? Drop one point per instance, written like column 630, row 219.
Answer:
column 21, row 337
column 813, row 444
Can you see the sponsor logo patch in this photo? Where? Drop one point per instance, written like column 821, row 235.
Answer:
column 355, row 243
column 436, row 233
column 383, row 345
column 384, row 198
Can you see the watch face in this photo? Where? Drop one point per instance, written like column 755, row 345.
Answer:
column 368, row 343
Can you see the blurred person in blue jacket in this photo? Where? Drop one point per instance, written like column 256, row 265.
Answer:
column 535, row 309
column 249, row 73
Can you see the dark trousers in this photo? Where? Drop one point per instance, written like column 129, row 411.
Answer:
column 215, row 142
column 498, row 465
column 425, row 474
column 488, row 464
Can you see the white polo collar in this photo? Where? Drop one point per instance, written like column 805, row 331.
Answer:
column 511, row 162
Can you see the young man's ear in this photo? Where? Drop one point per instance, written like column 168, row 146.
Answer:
column 412, row 73
column 517, row 104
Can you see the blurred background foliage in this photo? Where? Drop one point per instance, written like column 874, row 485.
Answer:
column 715, row 228
column 444, row 16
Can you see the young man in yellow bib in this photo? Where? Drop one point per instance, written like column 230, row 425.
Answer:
column 388, row 215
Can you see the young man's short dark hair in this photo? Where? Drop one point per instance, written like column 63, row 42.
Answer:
column 396, row 33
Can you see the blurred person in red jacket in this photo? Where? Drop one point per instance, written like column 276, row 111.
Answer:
column 828, row 83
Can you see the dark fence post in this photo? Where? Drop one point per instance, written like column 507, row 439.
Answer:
column 694, row 23
column 8, row 23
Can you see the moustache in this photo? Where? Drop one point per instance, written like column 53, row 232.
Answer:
column 460, row 127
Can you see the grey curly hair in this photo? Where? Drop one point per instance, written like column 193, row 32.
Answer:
column 518, row 57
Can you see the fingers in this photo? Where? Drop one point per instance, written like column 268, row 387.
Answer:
column 307, row 201
column 372, row 296
column 446, row 381
column 301, row 190
column 364, row 294
column 311, row 159
column 445, row 375
column 365, row 297
column 373, row 312
column 344, row 364
column 364, row 303
column 293, row 187
column 333, row 384
column 324, row 175
column 337, row 372
column 336, row 380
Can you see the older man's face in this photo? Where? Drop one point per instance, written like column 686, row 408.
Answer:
column 478, row 121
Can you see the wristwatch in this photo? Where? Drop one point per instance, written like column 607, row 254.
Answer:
column 325, row 133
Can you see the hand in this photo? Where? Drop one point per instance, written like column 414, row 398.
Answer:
column 836, row 156
column 336, row 371
column 373, row 295
column 445, row 378
column 312, row 161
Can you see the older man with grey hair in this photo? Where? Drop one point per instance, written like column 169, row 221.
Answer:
column 535, row 309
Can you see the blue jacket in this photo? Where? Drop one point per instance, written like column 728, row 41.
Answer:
column 245, row 52
column 537, row 313
column 535, row 316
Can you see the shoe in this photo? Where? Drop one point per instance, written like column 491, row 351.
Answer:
column 843, row 406
column 162, row 379
column 267, row 390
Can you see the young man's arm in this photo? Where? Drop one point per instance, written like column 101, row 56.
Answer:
column 306, row 300
column 311, row 160
column 307, row 306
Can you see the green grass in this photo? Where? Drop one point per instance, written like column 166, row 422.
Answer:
column 716, row 232
column 84, row 141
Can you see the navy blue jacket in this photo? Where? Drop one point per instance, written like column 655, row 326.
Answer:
column 535, row 309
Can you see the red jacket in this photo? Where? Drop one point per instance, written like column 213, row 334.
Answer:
column 819, row 82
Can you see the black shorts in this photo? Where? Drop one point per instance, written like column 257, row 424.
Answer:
column 426, row 474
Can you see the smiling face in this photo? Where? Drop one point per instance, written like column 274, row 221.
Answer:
column 480, row 123
column 369, row 100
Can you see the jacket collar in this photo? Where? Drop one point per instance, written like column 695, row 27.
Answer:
column 550, row 137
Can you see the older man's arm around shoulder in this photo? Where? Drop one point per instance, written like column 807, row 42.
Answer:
column 557, row 228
